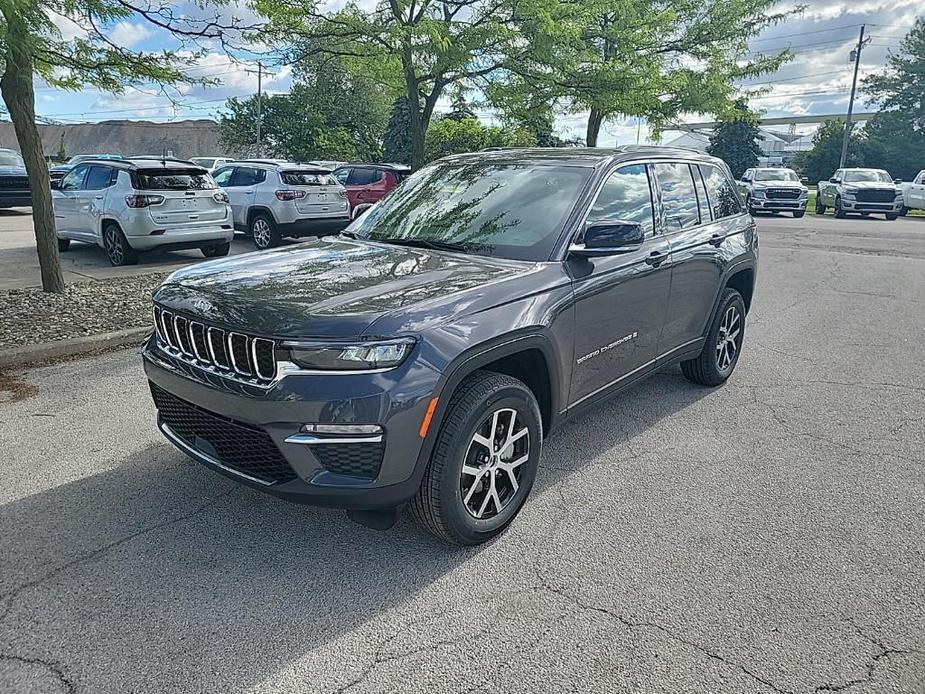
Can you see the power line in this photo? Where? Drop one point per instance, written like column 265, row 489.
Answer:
column 807, row 33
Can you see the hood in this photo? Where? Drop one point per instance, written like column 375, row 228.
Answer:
column 330, row 287
column 778, row 184
column 872, row 185
column 12, row 171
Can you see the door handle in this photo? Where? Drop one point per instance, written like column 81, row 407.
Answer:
column 717, row 240
column 98, row 197
column 655, row 258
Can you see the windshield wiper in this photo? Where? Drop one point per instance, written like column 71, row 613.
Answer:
column 349, row 234
column 425, row 243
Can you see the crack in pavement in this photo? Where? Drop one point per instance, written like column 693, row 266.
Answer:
column 53, row 667
column 7, row 599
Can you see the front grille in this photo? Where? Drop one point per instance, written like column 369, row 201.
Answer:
column 353, row 459
column 233, row 353
column 14, row 183
column 783, row 194
column 238, row 446
column 875, row 195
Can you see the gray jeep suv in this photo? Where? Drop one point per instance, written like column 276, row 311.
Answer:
column 422, row 355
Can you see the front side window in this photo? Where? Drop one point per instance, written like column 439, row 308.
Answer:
column 75, row 178
column 626, row 196
column 724, row 201
column 222, row 177
column 679, row 199
column 867, row 175
column 175, row 179
column 502, row 209
column 363, row 177
column 98, row 178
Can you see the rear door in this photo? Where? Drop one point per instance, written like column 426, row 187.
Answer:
column 621, row 299
column 66, row 199
column 189, row 196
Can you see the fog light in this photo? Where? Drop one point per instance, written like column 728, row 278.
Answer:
column 343, row 429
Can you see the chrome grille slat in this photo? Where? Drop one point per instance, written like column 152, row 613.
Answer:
column 238, row 355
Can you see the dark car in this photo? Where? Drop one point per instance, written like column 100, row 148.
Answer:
column 56, row 173
column 367, row 184
column 423, row 355
column 14, row 182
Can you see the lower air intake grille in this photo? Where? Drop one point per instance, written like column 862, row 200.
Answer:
column 238, row 446
column 353, row 459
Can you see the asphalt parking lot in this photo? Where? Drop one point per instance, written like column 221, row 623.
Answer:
column 766, row 536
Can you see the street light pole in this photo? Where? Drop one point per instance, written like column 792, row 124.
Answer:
column 854, row 83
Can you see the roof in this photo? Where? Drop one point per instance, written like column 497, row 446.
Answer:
column 377, row 165
column 582, row 156
column 143, row 163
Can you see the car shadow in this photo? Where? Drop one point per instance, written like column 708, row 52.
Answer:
column 158, row 562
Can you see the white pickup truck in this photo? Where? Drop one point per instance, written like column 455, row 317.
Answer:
column 913, row 193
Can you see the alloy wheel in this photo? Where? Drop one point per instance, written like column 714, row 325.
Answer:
column 114, row 246
column 492, row 468
column 261, row 233
column 729, row 339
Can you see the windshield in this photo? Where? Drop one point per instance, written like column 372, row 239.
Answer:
column 500, row 209
column 203, row 162
column 175, row 179
column 867, row 175
column 776, row 175
column 11, row 159
column 307, row 178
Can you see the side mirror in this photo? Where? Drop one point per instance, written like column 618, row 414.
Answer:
column 609, row 238
column 833, row 180
column 55, row 184
column 804, row 179
column 897, row 180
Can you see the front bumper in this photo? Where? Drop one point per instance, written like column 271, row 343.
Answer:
column 777, row 205
column 876, row 207
column 396, row 400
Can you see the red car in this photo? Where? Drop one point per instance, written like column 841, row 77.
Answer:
column 366, row 184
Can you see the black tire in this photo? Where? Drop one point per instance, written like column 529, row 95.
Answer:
column 439, row 505
column 216, row 250
column 892, row 216
column 748, row 204
column 839, row 212
column 705, row 368
column 63, row 245
column 903, row 211
column 797, row 214
column 820, row 208
column 263, row 231
column 117, row 249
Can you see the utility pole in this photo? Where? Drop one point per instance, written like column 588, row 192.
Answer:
column 856, row 57
column 260, row 104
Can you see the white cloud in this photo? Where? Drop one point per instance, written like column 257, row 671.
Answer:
column 128, row 34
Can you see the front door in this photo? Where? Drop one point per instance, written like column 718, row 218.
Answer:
column 242, row 191
column 67, row 200
column 620, row 299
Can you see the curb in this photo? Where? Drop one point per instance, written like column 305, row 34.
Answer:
column 60, row 349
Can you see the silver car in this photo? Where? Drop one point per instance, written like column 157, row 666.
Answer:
column 774, row 190
column 272, row 199
column 133, row 205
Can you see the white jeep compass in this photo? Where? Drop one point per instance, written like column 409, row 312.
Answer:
column 133, row 205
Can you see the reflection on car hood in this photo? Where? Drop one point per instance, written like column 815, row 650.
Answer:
column 12, row 171
column 878, row 185
column 778, row 184
column 329, row 287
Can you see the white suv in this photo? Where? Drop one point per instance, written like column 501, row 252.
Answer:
column 132, row 205
column 272, row 199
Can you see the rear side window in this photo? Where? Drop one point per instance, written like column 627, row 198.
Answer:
column 99, row 177
column 174, row 179
column 363, row 177
column 703, row 202
column 307, row 178
column 246, row 176
column 724, row 200
column 223, row 177
column 626, row 196
column 679, row 199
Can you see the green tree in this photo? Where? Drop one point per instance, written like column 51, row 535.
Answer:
column 648, row 58
column 32, row 47
column 901, row 86
column 396, row 143
column 427, row 46
column 447, row 136
column 735, row 140
column 889, row 142
column 330, row 113
column 820, row 162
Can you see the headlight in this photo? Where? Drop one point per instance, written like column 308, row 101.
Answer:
column 849, row 190
column 359, row 356
column 758, row 193
column 804, row 191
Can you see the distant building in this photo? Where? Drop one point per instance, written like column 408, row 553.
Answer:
column 778, row 148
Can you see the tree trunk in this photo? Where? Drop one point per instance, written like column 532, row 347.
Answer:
column 414, row 109
column 595, row 119
column 19, row 97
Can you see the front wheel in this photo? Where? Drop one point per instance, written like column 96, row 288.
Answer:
column 720, row 353
column 892, row 216
column 839, row 212
column 798, row 213
column 484, row 460
column 63, row 244
column 820, row 208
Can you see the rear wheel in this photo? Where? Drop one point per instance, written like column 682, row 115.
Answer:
column 63, row 244
column 720, row 353
column 839, row 212
column 820, row 208
column 484, row 460
column 216, row 250
column 263, row 232
column 117, row 248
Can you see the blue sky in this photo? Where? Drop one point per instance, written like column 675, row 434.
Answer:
column 817, row 81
